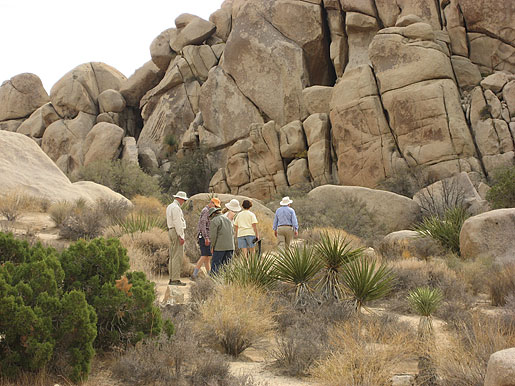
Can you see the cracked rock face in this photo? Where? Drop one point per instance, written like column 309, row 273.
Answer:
column 21, row 96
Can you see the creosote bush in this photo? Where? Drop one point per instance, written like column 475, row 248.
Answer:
column 236, row 318
column 123, row 177
column 501, row 284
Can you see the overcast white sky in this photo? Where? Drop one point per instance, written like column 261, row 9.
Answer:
column 49, row 38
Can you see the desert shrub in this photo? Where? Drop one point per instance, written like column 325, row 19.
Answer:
column 147, row 251
column 350, row 214
column 202, row 290
column 42, row 326
column 83, row 223
column 438, row 199
column 236, row 318
column 297, row 266
column 445, row 230
column 463, row 360
column 123, row 300
column 474, row 273
column 190, row 172
column 502, row 192
column 254, row 270
column 149, row 206
column 501, row 284
column 297, row 349
column 365, row 282
column 60, row 211
column 123, row 177
column 11, row 205
column 365, row 352
column 113, row 209
column 405, row 181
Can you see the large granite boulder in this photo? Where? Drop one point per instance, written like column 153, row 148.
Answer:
column 282, row 54
column 190, row 30
column 160, row 50
column 79, row 89
column 396, row 212
column 489, row 235
column 408, row 244
column 102, row 143
column 138, row 84
column 226, row 112
column 317, row 129
column 20, row 96
column 501, row 368
column 38, row 121
column 25, row 167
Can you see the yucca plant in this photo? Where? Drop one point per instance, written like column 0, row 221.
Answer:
column 297, row 266
column 334, row 252
column 252, row 270
column 141, row 222
column 365, row 282
column 445, row 230
column 425, row 301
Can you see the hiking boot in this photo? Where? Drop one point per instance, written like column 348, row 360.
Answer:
column 176, row 282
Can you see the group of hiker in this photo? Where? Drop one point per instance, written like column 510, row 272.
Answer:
column 216, row 229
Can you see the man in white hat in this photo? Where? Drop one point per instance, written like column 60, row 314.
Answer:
column 176, row 227
column 285, row 223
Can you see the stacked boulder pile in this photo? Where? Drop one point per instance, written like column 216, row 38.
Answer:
column 285, row 93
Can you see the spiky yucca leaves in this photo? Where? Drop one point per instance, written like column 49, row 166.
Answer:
column 141, row 222
column 334, row 252
column 365, row 282
column 445, row 230
column 252, row 270
column 298, row 265
column 425, row 301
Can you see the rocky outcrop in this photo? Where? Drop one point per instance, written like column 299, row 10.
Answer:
column 79, row 89
column 21, row 96
column 26, row 168
column 489, row 235
column 407, row 244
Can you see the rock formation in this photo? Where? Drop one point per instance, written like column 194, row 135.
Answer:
column 292, row 93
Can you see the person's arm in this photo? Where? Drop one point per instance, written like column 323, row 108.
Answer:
column 254, row 226
column 202, row 225
column 274, row 227
column 178, row 222
column 295, row 223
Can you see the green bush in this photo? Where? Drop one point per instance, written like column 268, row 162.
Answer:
column 190, row 172
column 124, row 304
column 502, row 193
column 445, row 230
column 253, row 270
column 123, row 177
column 41, row 326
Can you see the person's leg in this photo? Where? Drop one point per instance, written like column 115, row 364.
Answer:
column 281, row 237
column 176, row 255
column 216, row 261
column 242, row 245
column 207, row 264
column 288, row 235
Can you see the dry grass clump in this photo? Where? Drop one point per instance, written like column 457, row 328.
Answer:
column 314, row 235
column 60, row 211
column 148, row 251
column 501, row 284
column 149, row 206
column 14, row 203
column 474, row 273
column 364, row 352
column 236, row 318
column 463, row 360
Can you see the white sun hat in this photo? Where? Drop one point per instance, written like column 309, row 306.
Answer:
column 182, row 195
column 285, row 201
column 233, row 205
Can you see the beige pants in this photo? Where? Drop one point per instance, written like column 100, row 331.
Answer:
column 176, row 255
column 284, row 236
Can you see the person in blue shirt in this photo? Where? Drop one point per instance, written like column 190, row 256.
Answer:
column 285, row 223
